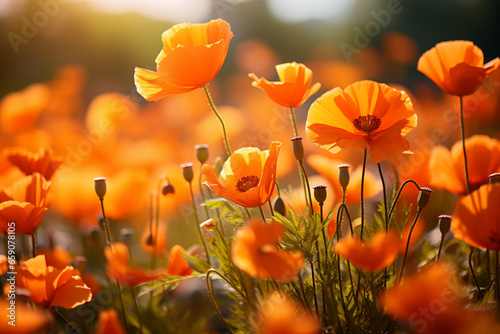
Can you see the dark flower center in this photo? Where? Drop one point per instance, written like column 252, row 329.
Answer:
column 247, row 182
column 367, row 123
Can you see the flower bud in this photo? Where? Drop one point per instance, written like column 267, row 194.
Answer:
column 201, row 153
column 444, row 224
column 494, row 178
column 423, row 197
column 344, row 176
column 187, row 171
column 279, row 206
column 100, row 187
column 298, row 148
column 207, row 229
column 168, row 189
column 320, row 193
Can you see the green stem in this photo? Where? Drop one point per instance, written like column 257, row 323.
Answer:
column 292, row 116
column 314, row 287
column 480, row 294
column 301, row 163
column 393, row 206
column 385, row 214
column 107, row 233
column 197, row 222
column 33, row 243
column 223, row 125
column 440, row 247
column 262, row 213
column 132, row 294
column 408, row 243
column 462, row 131
column 362, row 195
column 203, row 194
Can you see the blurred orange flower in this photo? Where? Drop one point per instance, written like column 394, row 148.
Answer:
column 50, row 287
column 293, row 88
column 254, row 251
column 376, row 254
column 176, row 263
column 27, row 320
column 32, row 188
column 191, row 57
column 25, row 215
column 365, row 114
column 476, row 219
column 119, row 268
column 109, row 323
column 56, row 257
column 43, row 162
column 329, row 169
column 447, row 168
column 457, row 67
column 279, row 314
column 248, row 176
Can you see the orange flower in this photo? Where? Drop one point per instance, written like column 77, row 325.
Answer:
column 457, row 67
column 191, row 57
column 50, row 287
column 293, row 88
column 376, row 254
column 32, row 188
column 26, row 319
column 476, row 219
column 254, row 251
column 43, row 162
column 279, row 314
column 56, row 257
column 329, row 169
column 447, row 168
column 365, row 114
column 119, row 268
column 109, row 323
column 248, row 176
column 25, row 215
column 176, row 263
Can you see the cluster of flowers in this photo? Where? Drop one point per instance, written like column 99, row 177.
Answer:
column 289, row 270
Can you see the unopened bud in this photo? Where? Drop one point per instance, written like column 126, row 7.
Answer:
column 444, row 224
column 126, row 235
column 187, row 171
column 320, row 193
column 298, row 148
column 423, row 197
column 207, row 229
column 344, row 176
column 494, row 178
column 100, row 187
column 279, row 206
column 201, row 153
column 167, row 189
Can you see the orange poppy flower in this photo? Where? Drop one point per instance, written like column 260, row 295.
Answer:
column 366, row 113
column 109, row 323
column 26, row 319
column 293, row 88
column 377, row 254
column 447, row 168
column 476, row 219
column 32, row 188
column 50, row 287
column 25, row 215
column 43, row 162
column 279, row 314
column 191, row 57
column 254, row 251
column 56, row 257
column 329, row 169
column 457, row 67
column 248, row 176
column 176, row 263
column 119, row 268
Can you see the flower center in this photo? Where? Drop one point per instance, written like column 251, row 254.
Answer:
column 246, row 183
column 367, row 123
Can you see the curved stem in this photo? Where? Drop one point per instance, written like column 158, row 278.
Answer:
column 474, row 274
column 362, row 197
column 385, row 214
column 223, row 125
column 408, row 243
column 262, row 213
column 197, row 222
column 393, row 206
column 462, row 131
